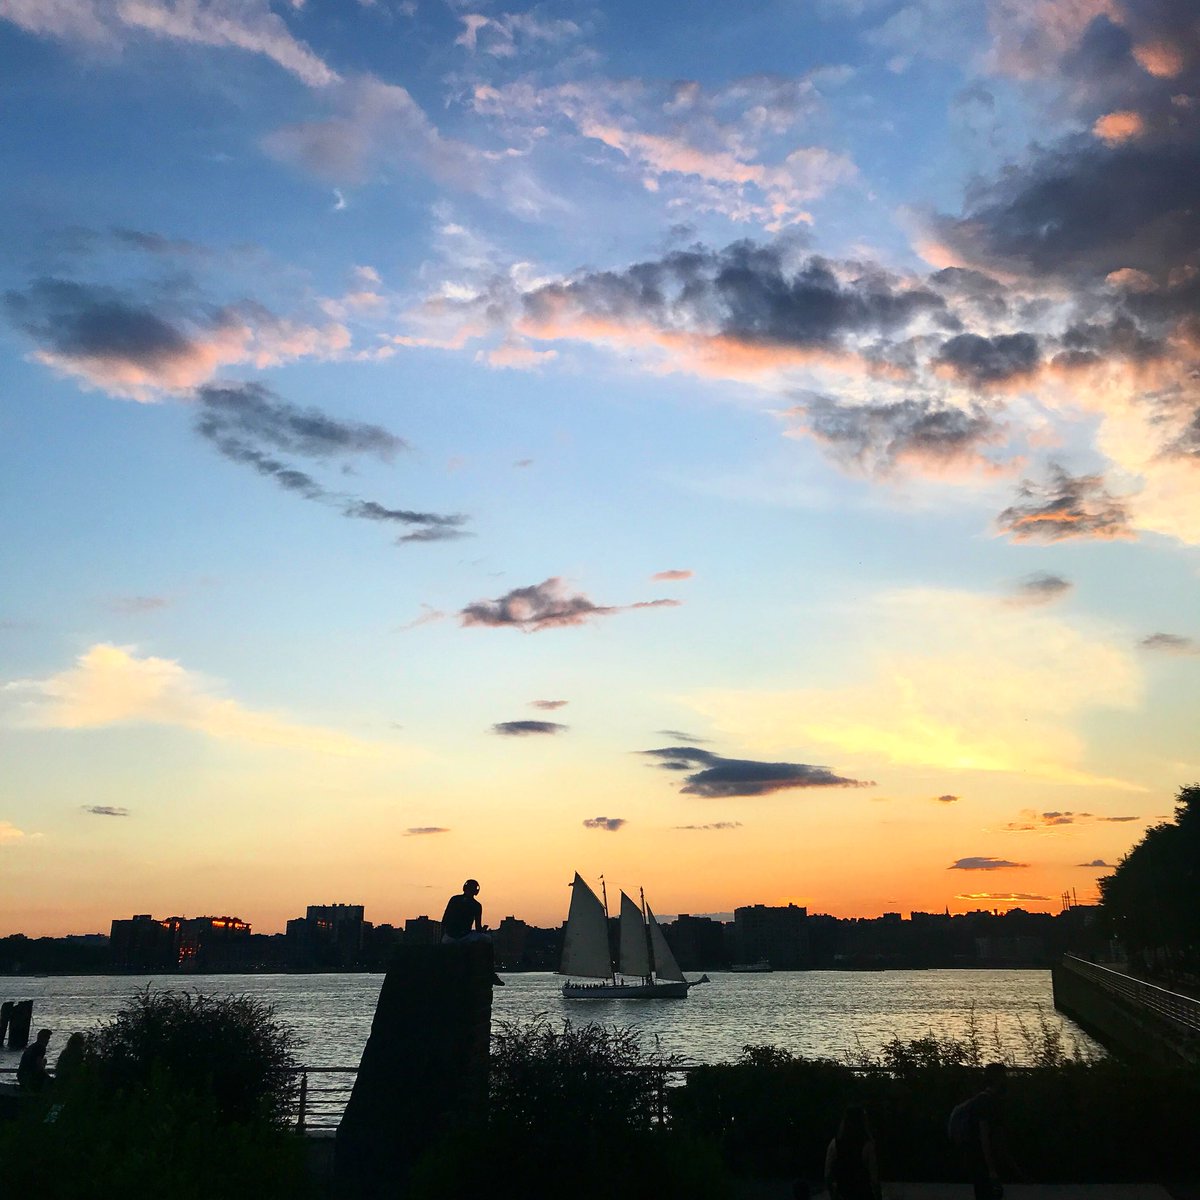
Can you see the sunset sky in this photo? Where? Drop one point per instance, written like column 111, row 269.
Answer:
column 749, row 451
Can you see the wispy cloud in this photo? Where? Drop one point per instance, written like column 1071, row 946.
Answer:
column 948, row 798
column 424, row 830
column 105, row 810
column 712, row 775
column 713, row 826
column 1065, row 506
column 132, row 606
column 984, row 863
column 1170, row 643
column 548, row 705
column 10, row 834
column 112, row 685
column 248, row 424
column 608, row 824
column 248, row 26
column 138, row 347
column 1040, row 587
column 672, row 575
column 545, row 605
column 1001, row 897
column 526, row 728
column 1096, row 862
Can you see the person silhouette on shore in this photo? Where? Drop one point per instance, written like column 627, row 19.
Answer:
column 32, row 1075
column 986, row 1141
column 70, row 1061
column 851, row 1168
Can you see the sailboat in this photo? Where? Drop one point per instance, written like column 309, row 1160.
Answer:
column 647, row 970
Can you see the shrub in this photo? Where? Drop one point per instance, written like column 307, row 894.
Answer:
column 573, row 1110
column 230, row 1049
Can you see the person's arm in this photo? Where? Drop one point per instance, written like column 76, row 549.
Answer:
column 872, row 1165
column 478, row 916
column 830, row 1162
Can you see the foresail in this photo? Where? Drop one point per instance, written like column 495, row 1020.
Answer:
column 665, row 966
column 585, row 945
column 635, row 954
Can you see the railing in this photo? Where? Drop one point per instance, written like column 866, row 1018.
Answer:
column 1182, row 1012
column 322, row 1096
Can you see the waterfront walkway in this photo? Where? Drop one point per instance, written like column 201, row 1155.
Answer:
column 770, row 1189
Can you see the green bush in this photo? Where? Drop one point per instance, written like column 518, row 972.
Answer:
column 180, row 1095
column 573, row 1110
column 1069, row 1118
column 230, row 1049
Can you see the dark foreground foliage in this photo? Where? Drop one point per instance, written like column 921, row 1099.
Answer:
column 180, row 1096
column 573, row 1111
column 1069, row 1119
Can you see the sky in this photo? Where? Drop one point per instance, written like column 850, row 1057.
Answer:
column 749, row 452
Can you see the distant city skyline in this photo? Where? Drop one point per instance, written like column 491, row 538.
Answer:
column 749, row 451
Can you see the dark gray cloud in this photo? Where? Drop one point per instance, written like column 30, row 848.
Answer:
column 1040, row 587
column 548, row 705
column 989, row 360
column 424, row 830
column 97, row 324
column 878, row 438
column 948, row 798
column 713, row 825
column 252, row 413
column 545, row 605
column 757, row 294
column 1170, row 643
column 525, row 728
column 608, row 824
column 983, row 864
column 1065, row 506
column 249, row 425
column 1090, row 205
column 1096, row 862
column 680, row 735
column 1119, row 819
column 105, row 810
column 712, row 776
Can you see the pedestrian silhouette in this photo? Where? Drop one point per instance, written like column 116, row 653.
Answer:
column 851, row 1168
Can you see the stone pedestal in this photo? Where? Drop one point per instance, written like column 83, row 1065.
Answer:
column 19, row 1021
column 424, row 1071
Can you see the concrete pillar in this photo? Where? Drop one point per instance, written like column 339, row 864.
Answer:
column 5, row 1017
column 424, row 1070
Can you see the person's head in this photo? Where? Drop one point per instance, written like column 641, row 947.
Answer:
column 995, row 1077
column 43, row 1036
column 471, row 887
column 76, row 1041
column 854, row 1128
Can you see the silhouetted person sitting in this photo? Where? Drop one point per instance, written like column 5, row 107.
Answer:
column 851, row 1168
column 70, row 1061
column 463, row 919
column 462, row 922
column 985, row 1143
column 32, row 1075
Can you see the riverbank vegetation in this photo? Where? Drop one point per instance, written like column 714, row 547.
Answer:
column 180, row 1095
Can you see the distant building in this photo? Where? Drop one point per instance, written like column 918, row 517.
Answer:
column 328, row 937
column 777, row 934
column 697, row 942
column 140, row 943
column 144, row 943
column 422, row 931
column 509, row 940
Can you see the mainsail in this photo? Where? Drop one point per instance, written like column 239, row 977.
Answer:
column 585, row 946
column 665, row 965
column 635, row 953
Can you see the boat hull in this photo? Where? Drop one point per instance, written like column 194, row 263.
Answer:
column 625, row 991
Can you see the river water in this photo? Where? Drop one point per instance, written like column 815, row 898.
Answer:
column 814, row 1013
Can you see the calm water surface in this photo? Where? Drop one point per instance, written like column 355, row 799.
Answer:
column 816, row 1013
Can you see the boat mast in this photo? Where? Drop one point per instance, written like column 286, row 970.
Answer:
column 604, row 893
column 649, row 943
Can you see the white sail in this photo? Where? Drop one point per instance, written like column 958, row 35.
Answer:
column 585, row 946
column 665, row 966
column 635, row 953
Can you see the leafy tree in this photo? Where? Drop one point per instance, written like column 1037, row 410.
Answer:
column 1151, row 898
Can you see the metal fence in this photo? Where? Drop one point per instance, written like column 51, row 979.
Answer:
column 1181, row 1012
